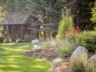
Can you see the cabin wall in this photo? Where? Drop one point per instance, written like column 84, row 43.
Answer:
column 30, row 21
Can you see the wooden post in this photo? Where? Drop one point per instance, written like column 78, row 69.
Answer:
column 22, row 31
column 3, row 30
column 12, row 32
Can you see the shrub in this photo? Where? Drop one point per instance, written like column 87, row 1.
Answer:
column 72, row 34
column 28, row 38
column 87, row 39
column 78, row 65
column 1, row 38
column 89, row 69
column 64, row 48
column 65, row 25
column 46, row 45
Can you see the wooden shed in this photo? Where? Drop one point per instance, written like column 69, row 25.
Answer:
column 18, row 23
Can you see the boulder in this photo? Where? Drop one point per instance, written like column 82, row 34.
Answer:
column 36, row 47
column 79, row 52
column 34, row 41
column 92, row 59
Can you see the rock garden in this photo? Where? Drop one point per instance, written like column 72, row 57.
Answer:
column 74, row 54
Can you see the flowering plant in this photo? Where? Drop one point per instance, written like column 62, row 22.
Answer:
column 72, row 33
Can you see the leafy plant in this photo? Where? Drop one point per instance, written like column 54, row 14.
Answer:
column 64, row 48
column 65, row 25
column 46, row 45
column 72, row 34
column 89, row 69
column 28, row 38
column 87, row 39
column 1, row 39
column 78, row 64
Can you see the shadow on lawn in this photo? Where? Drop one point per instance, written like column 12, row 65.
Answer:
column 11, row 59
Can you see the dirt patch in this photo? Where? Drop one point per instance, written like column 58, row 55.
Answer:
column 45, row 54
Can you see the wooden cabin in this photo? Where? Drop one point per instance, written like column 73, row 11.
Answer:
column 18, row 24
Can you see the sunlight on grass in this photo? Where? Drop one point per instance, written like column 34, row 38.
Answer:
column 15, row 66
column 9, row 71
column 11, row 59
column 38, row 66
column 7, row 44
column 14, row 56
column 2, row 66
column 11, row 62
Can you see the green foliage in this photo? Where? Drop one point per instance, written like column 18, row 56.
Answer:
column 64, row 48
column 48, row 11
column 1, row 39
column 94, row 13
column 89, row 69
column 87, row 39
column 83, row 12
column 77, row 65
column 46, row 45
column 65, row 24
column 72, row 34
column 28, row 38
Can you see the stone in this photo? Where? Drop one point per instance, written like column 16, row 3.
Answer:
column 79, row 52
column 36, row 47
column 92, row 59
column 57, row 61
column 34, row 41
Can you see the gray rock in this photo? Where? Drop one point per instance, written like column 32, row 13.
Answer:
column 35, row 41
column 79, row 52
column 36, row 47
column 92, row 59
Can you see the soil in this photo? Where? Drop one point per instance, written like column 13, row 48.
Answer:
column 45, row 54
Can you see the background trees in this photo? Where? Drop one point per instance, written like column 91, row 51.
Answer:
column 84, row 14
column 49, row 11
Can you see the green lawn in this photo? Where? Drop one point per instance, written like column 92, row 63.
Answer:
column 11, row 59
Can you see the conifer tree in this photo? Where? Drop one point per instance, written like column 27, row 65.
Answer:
column 84, row 13
column 50, row 11
column 94, row 13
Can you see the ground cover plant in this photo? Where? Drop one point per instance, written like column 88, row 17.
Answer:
column 11, row 59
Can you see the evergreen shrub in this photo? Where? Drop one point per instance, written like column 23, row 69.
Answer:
column 65, row 24
column 28, row 38
column 87, row 39
column 1, row 39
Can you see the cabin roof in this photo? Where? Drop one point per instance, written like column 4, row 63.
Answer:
column 13, row 18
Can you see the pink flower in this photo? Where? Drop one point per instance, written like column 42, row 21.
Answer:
column 53, row 67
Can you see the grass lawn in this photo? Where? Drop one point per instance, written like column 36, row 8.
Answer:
column 11, row 59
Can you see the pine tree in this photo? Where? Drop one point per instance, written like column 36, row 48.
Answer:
column 50, row 11
column 84, row 14
column 16, row 5
column 94, row 13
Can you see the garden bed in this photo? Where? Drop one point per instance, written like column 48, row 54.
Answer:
column 45, row 54
column 49, row 55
